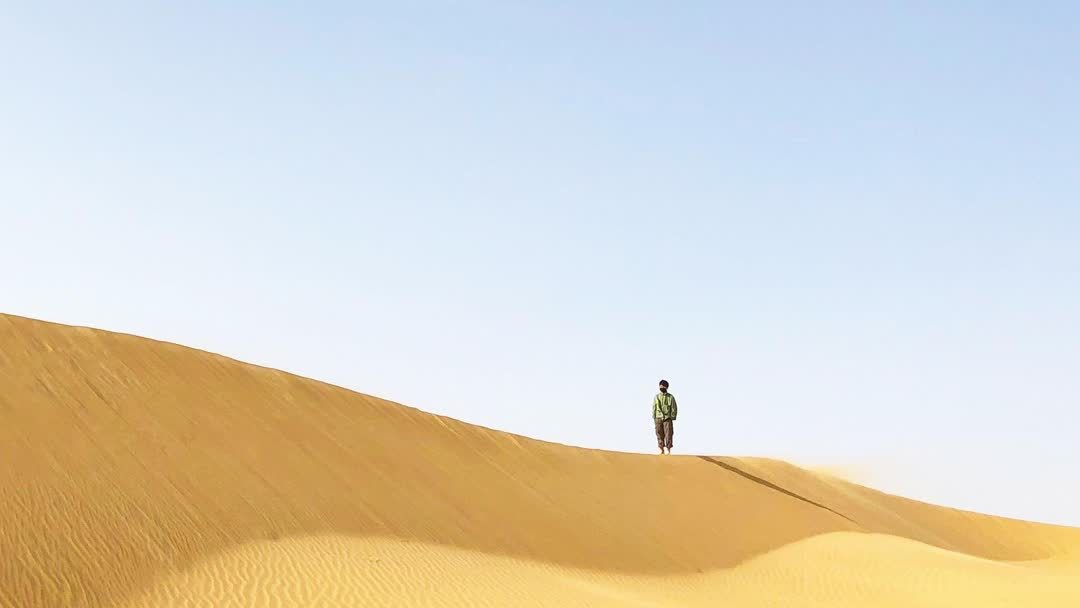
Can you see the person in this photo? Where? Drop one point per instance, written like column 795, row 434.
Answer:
column 665, row 410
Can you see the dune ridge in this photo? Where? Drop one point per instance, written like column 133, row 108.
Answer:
column 144, row 473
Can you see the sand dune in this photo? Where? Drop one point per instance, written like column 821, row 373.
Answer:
column 139, row 473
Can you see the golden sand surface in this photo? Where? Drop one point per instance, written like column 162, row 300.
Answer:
column 138, row 473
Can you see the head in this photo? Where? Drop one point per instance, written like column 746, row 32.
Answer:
column 663, row 386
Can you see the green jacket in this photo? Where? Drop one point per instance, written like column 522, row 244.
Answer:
column 664, row 406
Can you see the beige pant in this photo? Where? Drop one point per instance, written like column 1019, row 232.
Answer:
column 665, row 430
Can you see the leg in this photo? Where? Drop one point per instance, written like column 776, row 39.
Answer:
column 659, row 424
column 669, row 434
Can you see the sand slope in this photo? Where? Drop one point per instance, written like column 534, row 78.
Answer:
column 140, row 473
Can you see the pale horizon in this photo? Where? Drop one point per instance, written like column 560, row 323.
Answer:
column 846, row 236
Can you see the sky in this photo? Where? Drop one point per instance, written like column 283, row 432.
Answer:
column 846, row 232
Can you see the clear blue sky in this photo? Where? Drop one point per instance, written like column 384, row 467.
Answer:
column 846, row 232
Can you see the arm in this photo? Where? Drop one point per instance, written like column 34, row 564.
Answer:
column 674, row 408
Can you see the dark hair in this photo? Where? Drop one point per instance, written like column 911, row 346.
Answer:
column 663, row 383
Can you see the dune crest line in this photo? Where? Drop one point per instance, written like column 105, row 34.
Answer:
column 771, row 485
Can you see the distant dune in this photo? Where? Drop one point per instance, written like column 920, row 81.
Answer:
column 136, row 473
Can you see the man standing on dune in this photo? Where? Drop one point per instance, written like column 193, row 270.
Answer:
column 664, row 409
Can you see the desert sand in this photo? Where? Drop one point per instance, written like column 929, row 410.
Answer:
column 138, row 473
